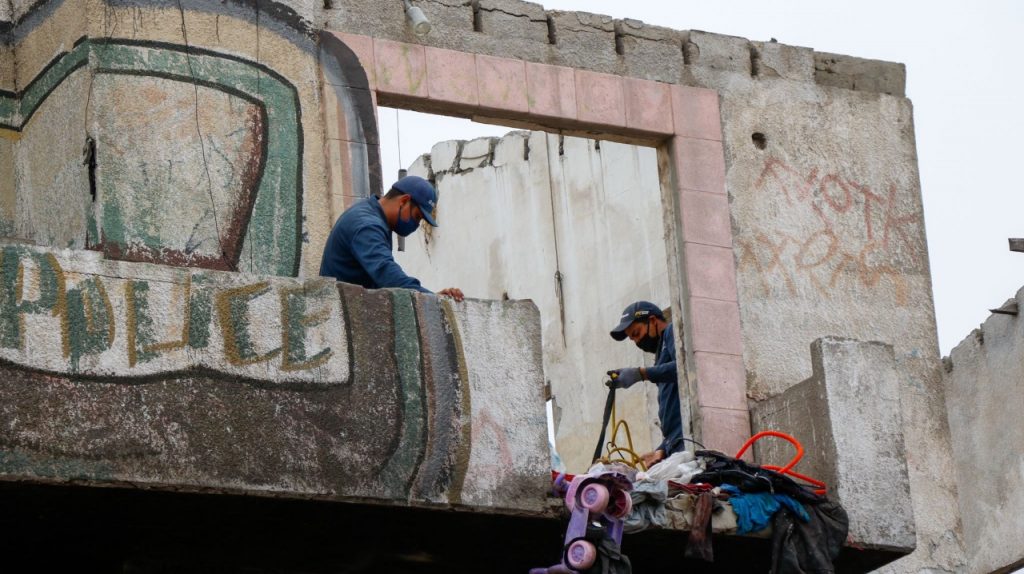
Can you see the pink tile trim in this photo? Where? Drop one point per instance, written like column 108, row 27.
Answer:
column 599, row 98
column 716, row 326
column 706, row 218
column 451, row 77
column 700, row 164
column 501, row 84
column 725, row 430
column 551, row 91
column 710, row 271
column 648, row 106
column 695, row 113
column 561, row 96
column 721, row 381
column 400, row 68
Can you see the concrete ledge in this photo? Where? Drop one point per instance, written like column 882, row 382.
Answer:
column 847, row 416
column 600, row 43
column 177, row 379
column 78, row 529
column 859, row 74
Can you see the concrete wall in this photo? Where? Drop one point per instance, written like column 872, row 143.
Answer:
column 175, row 379
column 847, row 417
column 572, row 224
column 823, row 205
column 796, row 202
column 984, row 380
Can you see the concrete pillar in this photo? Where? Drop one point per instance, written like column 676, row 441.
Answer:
column 847, row 417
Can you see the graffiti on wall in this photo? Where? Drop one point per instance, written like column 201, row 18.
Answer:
column 826, row 231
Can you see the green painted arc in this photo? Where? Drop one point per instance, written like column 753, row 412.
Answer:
column 400, row 469
column 272, row 236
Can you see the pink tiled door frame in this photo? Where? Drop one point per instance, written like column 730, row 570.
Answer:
column 682, row 122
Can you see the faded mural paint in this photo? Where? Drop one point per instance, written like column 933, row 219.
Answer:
column 221, row 380
column 208, row 150
column 60, row 315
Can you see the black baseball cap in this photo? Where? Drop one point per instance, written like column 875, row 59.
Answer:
column 638, row 311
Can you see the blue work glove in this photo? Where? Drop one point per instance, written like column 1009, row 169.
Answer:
column 624, row 378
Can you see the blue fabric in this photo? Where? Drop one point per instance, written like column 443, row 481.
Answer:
column 663, row 374
column 754, row 510
column 359, row 248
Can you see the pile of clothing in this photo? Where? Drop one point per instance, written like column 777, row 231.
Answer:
column 709, row 492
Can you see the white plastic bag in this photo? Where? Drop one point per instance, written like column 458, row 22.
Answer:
column 679, row 467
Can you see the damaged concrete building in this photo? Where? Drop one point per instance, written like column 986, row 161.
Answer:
column 181, row 392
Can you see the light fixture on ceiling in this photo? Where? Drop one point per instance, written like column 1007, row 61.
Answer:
column 417, row 19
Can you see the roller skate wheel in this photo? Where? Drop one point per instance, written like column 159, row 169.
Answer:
column 594, row 497
column 622, row 507
column 581, row 555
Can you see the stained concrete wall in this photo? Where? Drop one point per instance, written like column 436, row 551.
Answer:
column 848, row 419
column 170, row 378
column 984, row 380
column 572, row 224
column 824, row 199
column 824, row 204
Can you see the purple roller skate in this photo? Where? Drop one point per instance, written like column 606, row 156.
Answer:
column 592, row 499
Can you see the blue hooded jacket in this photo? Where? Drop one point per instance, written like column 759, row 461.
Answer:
column 359, row 250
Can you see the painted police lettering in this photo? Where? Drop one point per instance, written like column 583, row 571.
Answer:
column 74, row 322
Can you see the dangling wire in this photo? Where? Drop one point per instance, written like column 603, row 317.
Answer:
column 398, row 139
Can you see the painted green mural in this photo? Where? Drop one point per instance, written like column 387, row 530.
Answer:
column 236, row 206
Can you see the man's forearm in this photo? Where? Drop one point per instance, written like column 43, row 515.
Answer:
column 663, row 373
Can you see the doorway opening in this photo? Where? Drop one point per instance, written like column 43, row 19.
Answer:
column 577, row 225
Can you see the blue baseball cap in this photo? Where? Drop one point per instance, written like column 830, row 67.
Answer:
column 422, row 193
column 638, row 311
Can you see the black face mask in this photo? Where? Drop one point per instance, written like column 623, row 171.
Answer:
column 650, row 343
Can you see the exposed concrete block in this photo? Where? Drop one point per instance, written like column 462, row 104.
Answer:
column 848, row 418
column 451, row 21
column 513, row 19
column 774, row 60
column 477, row 153
column 860, row 74
column 444, row 154
column 584, row 41
column 422, row 167
column 651, row 52
column 513, row 147
column 718, row 52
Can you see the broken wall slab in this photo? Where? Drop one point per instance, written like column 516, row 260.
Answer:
column 847, row 417
column 539, row 206
column 984, row 382
column 176, row 379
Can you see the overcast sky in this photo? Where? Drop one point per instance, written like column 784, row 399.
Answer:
column 963, row 77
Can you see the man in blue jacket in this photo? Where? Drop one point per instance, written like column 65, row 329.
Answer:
column 359, row 247
column 645, row 325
